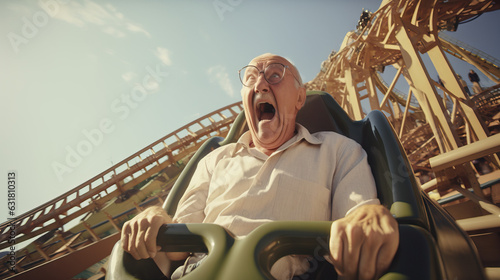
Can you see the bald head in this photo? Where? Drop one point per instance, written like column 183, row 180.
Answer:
column 280, row 59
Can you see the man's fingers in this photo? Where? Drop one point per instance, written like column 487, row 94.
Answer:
column 124, row 241
column 367, row 268
column 125, row 236
column 150, row 234
column 355, row 239
column 385, row 255
column 337, row 248
column 363, row 244
column 132, row 245
column 140, row 244
column 139, row 234
column 390, row 245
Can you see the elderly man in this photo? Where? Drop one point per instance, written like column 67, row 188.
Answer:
column 279, row 171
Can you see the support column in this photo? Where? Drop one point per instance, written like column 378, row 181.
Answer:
column 353, row 94
column 449, row 78
column 420, row 77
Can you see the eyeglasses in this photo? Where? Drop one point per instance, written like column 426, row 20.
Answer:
column 273, row 74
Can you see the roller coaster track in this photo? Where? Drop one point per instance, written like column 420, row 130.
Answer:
column 94, row 193
column 347, row 73
column 375, row 47
column 489, row 65
column 396, row 35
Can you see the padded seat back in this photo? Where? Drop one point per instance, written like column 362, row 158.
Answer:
column 396, row 185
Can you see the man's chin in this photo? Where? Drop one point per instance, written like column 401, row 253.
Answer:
column 270, row 135
column 266, row 135
column 268, row 141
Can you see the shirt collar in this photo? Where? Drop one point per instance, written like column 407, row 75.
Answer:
column 302, row 133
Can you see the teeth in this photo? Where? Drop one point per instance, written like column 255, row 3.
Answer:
column 266, row 107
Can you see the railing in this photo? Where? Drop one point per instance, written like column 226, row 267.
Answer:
column 122, row 176
column 71, row 242
column 487, row 98
column 486, row 57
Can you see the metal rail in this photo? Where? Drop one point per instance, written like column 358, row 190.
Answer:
column 463, row 51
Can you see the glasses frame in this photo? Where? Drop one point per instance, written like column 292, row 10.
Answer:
column 263, row 72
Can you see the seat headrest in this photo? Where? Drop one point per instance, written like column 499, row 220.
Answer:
column 315, row 115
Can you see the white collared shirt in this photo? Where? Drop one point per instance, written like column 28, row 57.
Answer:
column 312, row 177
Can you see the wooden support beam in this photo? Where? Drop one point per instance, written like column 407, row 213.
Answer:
column 91, row 232
column 406, row 112
column 467, row 153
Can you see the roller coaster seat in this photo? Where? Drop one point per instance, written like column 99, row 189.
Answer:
column 425, row 251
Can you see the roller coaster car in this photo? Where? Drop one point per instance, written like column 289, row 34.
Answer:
column 432, row 246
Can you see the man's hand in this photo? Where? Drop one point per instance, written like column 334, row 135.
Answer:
column 363, row 244
column 139, row 234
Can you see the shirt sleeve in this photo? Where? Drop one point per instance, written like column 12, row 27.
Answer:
column 353, row 183
column 191, row 207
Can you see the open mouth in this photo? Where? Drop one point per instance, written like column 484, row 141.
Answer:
column 265, row 111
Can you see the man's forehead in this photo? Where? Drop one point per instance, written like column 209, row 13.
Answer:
column 265, row 60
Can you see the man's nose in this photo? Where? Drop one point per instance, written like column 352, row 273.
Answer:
column 261, row 85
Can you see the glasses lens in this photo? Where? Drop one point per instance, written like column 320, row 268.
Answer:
column 248, row 75
column 274, row 73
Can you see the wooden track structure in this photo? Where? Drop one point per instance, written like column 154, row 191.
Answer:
column 396, row 35
column 93, row 194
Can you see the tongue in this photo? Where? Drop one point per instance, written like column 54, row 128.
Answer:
column 267, row 111
column 266, row 115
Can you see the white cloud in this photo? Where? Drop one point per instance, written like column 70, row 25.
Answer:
column 164, row 55
column 113, row 32
column 68, row 13
column 95, row 13
column 152, row 86
column 137, row 29
column 218, row 75
column 127, row 77
column 108, row 17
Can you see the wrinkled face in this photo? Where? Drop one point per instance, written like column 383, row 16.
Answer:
column 271, row 108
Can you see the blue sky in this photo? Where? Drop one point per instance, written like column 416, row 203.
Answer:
column 70, row 67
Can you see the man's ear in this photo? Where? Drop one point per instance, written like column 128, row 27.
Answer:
column 301, row 98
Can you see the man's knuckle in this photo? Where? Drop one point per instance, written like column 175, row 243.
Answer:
column 143, row 223
column 337, row 227
column 371, row 241
column 157, row 219
column 134, row 254
column 366, row 273
column 125, row 246
column 365, row 276
column 339, row 270
column 384, row 263
column 351, row 268
column 138, row 241
column 350, row 229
